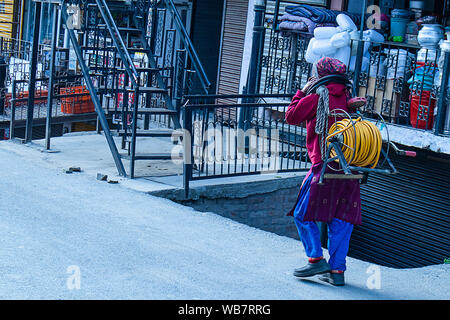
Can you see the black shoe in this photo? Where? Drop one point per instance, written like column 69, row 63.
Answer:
column 311, row 269
column 336, row 279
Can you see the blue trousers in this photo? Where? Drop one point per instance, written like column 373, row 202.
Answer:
column 339, row 233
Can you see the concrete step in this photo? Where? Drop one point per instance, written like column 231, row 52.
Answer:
column 151, row 111
column 153, row 156
column 152, row 133
column 149, row 90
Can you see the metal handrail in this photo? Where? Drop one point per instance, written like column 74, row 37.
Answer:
column 93, row 92
column 115, row 35
column 189, row 45
column 287, row 149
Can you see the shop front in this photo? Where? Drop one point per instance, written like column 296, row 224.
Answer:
column 397, row 54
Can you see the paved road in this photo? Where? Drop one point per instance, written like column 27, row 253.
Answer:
column 69, row 236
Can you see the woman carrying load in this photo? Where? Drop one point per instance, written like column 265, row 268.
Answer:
column 335, row 202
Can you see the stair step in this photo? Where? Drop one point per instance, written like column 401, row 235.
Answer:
column 129, row 30
column 129, row 89
column 143, row 69
column 149, row 90
column 137, row 50
column 153, row 156
column 157, row 111
column 123, row 29
column 152, row 133
column 97, row 48
column 116, row 5
column 151, row 111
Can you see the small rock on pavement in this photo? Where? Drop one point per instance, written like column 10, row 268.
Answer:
column 102, row 177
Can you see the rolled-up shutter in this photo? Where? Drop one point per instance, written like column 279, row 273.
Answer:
column 406, row 217
column 6, row 18
column 232, row 47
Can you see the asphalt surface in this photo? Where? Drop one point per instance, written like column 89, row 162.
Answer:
column 69, row 236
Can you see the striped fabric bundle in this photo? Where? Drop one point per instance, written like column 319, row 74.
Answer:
column 319, row 15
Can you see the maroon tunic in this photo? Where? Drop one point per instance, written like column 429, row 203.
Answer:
column 336, row 198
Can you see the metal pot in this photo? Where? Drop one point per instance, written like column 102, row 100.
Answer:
column 430, row 35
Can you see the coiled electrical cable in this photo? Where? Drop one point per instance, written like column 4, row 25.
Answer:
column 361, row 141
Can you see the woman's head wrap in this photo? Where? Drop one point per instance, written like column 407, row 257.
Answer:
column 326, row 66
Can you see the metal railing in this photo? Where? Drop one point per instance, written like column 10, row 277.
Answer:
column 118, row 42
column 14, row 54
column 171, row 46
column 232, row 135
column 15, row 67
column 69, row 102
column 192, row 53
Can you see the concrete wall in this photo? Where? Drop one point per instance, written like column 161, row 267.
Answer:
column 263, row 211
column 260, row 203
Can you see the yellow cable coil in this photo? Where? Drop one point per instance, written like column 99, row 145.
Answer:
column 365, row 139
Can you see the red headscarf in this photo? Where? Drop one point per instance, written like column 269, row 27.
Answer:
column 326, row 66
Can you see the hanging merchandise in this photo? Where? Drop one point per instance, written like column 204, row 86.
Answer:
column 354, row 38
column 370, row 38
column 333, row 42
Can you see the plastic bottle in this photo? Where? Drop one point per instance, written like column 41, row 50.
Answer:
column 340, row 40
column 345, row 22
column 324, row 32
